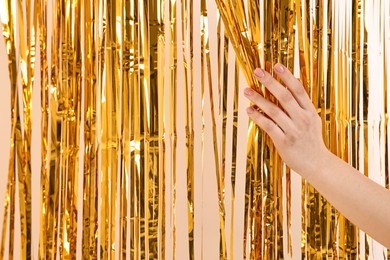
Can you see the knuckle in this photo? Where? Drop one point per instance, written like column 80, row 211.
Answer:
column 273, row 112
column 286, row 96
column 268, row 126
column 264, row 123
column 257, row 99
column 317, row 120
column 291, row 138
column 257, row 118
column 296, row 86
column 268, row 80
column 294, row 135
column 308, row 119
column 300, row 90
column 315, row 117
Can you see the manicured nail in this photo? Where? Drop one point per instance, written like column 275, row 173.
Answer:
column 279, row 68
column 259, row 73
column 248, row 91
column 250, row 110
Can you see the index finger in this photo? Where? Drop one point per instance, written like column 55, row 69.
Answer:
column 295, row 86
column 280, row 92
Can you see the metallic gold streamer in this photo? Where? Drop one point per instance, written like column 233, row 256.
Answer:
column 125, row 170
column 234, row 152
column 188, row 50
column 45, row 94
column 133, row 15
column 223, row 46
column 153, row 183
column 7, row 20
column 90, row 177
column 74, row 76
column 173, row 112
column 53, row 180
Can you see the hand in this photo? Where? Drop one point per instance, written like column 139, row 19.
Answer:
column 296, row 131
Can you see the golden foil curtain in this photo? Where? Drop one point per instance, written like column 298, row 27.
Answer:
column 124, row 132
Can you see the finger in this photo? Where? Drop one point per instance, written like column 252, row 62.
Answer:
column 266, row 124
column 270, row 109
column 284, row 96
column 295, row 87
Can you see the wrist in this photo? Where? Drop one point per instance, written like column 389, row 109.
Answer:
column 317, row 164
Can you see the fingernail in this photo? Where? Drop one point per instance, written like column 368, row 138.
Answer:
column 259, row 73
column 250, row 110
column 279, row 68
column 248, row 91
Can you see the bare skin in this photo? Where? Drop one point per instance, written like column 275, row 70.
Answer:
column 297, row 136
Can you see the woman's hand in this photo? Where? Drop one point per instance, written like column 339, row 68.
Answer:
column 296, row 130
column 296, row 133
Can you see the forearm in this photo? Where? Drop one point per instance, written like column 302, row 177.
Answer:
column 364, row 202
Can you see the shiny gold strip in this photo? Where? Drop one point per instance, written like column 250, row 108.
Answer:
column 110, row 121
column 104, row 209
column 386, row 14
column 42, row 7
column 173, row 112
column 219, row 173
column 187, row 47
column 72, row 62
column 161, row 178
column 152, row 97
column 223, row 58
column 9, row 205
column 144, row 90
column 125, row 168
column 55, row 122
column 234, row 154
column 91, row 179
column 7, row 22
column 203, row 38
column 65, row 85
column 116, row 88
column 135, row 248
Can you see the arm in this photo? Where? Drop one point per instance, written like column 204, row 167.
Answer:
column 296, row 133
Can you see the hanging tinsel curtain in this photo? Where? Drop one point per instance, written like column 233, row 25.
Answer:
column 124, row 134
